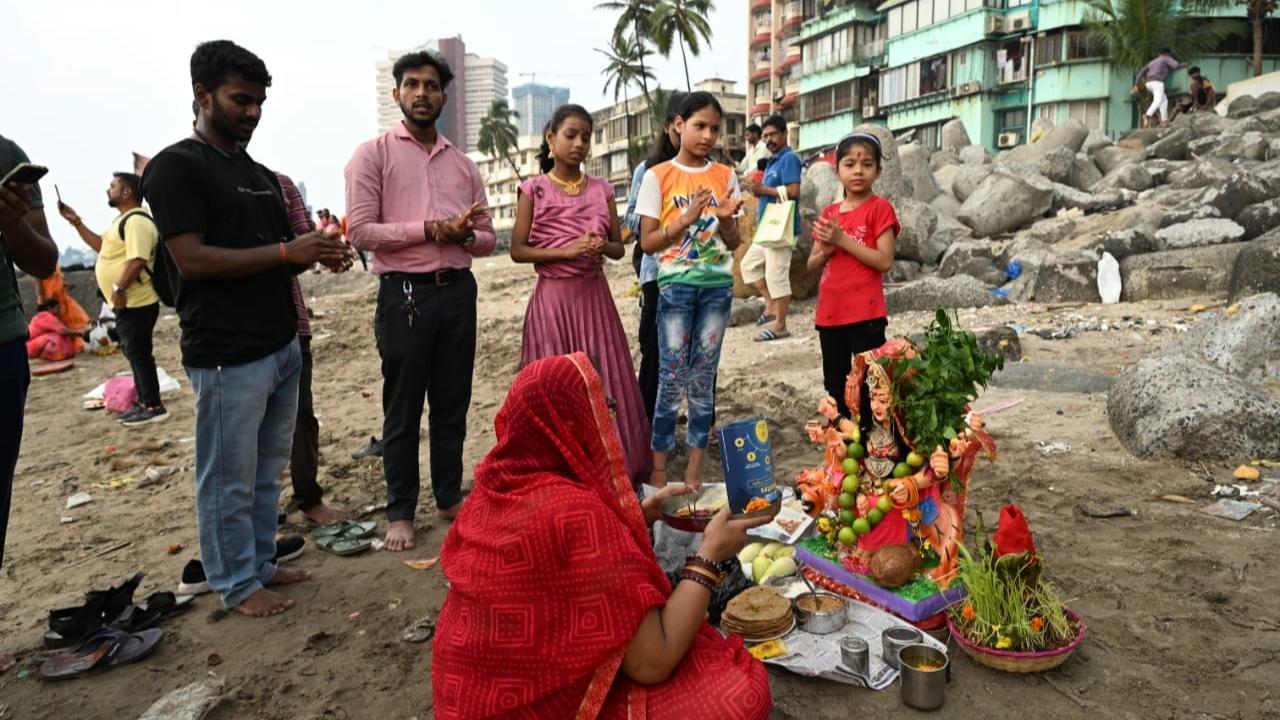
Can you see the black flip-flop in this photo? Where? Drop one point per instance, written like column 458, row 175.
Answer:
column 104, row 647
column 68, row 625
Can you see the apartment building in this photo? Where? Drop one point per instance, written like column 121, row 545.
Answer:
column 998, row 65
column 624, row 129
column 501, row 181
column 536, row 103
column 453, row 121
column 774, row 58
column 486, row 82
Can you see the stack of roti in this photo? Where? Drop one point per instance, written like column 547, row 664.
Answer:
column 757, row 613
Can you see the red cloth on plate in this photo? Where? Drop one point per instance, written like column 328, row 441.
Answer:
column 551, row 571
column 1012, row 534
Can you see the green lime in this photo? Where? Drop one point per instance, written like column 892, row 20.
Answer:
column 884, row 504
column 850, row 466
column 875, row 516
column 861, row 526
column 855, row 451
column 915, row 459
column 850, row 484
column 847, row 500
column 901, row 470
column 846, row 517
column 847, row 536
column 857, row 434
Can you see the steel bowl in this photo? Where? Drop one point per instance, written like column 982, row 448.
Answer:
column 819, row 622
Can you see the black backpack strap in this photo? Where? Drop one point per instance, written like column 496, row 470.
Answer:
column 150, row 267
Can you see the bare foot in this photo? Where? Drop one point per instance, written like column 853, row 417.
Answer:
column 400, row 536
column 264, row 603
column 451, row 512
column 322, row 514
column 289, row 576
column 7, row 661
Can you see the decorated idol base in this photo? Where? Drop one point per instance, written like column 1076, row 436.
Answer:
column 914, row 602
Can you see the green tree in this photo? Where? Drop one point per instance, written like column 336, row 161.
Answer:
column 499, row 135
column 683, row 22
column 1258, row 12
column 622, row 71
column 634, row 17
column 1132, row 32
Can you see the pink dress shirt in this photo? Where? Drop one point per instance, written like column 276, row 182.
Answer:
column 394, row 184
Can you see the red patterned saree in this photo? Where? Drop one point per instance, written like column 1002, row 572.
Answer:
column 551, row 572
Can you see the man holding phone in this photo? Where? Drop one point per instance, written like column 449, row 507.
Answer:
column 126, row 261
column 26, row 243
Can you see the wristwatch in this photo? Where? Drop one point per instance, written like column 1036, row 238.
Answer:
column 469, row 240
column 116, row 288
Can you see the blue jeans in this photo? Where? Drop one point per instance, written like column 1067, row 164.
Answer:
column 691, row 323
column 245, row 416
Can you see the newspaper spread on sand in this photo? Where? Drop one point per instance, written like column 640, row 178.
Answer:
column 819, row 655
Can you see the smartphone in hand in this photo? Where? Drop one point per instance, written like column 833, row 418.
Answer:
column 25, row 173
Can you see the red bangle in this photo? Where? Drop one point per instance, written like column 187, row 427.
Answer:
column 705, row 564
column 284, row 254
column 700, row 579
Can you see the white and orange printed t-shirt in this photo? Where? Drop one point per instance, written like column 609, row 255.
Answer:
column 700, row 258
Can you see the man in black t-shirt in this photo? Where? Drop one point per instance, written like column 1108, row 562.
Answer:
column 222, row 218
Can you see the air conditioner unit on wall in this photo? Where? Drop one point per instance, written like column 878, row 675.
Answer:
column 995, row 25
column 1021, row 21
column 963, row 89
column 869, row 111
column 1007, row 140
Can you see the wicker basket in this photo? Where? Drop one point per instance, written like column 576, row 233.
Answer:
column 1016, row 661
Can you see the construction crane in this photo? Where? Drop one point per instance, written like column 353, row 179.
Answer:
column 533, row 76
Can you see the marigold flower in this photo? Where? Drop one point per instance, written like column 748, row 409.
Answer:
column 1037, row 623
column 968, row 613
column 1004, row 643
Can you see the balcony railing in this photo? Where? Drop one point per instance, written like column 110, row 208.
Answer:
column 859, row 54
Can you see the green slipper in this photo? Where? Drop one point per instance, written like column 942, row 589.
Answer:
column 343, row 546
column 348, row 529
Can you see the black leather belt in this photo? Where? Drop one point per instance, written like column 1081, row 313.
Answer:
column 447, row 276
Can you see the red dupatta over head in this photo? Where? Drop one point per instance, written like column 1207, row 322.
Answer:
column 549, row 561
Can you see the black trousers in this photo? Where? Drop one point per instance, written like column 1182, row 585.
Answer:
column 649, row 349
column 15, row 378
column 839, row 345
column 305, row 459
column 431, row 359
column 649, row 346
column 135, row 326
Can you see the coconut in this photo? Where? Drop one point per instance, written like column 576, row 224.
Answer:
column 894, row 565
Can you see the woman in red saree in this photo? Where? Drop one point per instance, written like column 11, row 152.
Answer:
column 557, row 607
column 47, row 338
column 69, row 311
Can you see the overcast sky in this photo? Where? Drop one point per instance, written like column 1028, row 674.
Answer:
column 87, row 83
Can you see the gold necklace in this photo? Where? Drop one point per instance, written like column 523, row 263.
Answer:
column 569, row 187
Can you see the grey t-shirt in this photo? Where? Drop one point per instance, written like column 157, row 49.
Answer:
column 13, row 323
column 1157, row 70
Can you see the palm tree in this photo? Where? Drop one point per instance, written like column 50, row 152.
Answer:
column 624, row 68
column 634, row 16
column 685, row 20
column 1258, row 11
column 499, row 135
column 1132, row 32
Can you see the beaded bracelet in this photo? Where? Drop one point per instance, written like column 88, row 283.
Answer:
column 702, row 580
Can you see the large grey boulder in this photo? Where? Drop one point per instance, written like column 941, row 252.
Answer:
column 1084, row 172
column 943, row 158
column 1240, row 191
column 975, row 155
column 945, row 178
column 745, row 311
column 893, row 184
column 1113, row 156
column 1257, row 267
column 968, row 178
column 1068, row 277
column 1198, row 233
column 1172, row 405
column 1201, row 173
column 1260, row 218
column 1095, row 141
column 1246, row 146
column 1174, row 274
column 1069, row 198
column 1005, row 202
column 903, row 271
column 930, row 293
column 915, row 165
column 1245, row 344
column 1192, row 211
column 1070, row 134
column 1269, row 100
column 819, row 187
column 1057, row 163
column 1172, row 146
column 954, row 135
column 1242, row 106
column 1203, row 123
column 1130, row 176
column 918, row 241
column 1160, row 170
column 1123, row 243
column 1051, row 230
column 967, row 253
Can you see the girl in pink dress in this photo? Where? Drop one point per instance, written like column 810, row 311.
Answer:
column 566, row 224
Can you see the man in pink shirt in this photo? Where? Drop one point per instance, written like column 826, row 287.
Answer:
column 418, row 204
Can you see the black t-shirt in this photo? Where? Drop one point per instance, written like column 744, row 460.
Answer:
column 234, row 202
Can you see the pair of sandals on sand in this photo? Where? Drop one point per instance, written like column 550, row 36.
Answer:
column 344, row 538
column 108, row 630
column 768, row 334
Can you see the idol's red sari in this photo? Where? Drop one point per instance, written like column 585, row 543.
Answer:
column 551, row 572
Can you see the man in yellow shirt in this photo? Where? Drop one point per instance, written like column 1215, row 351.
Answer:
column 126, row 257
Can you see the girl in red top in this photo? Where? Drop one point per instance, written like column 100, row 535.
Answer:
column 853, row 248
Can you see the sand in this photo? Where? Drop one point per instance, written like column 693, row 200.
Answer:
column 1181, row 606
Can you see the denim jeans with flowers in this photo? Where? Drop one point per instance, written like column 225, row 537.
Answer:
column 691, row 325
